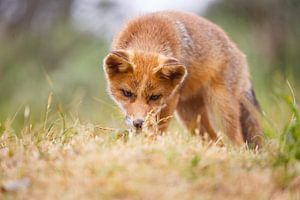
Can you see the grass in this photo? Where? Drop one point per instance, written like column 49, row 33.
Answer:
column 62, row 158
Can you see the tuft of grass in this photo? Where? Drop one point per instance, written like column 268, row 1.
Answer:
column 287, row 156
column 289, row 141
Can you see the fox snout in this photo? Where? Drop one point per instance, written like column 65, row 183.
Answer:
column 136, row 123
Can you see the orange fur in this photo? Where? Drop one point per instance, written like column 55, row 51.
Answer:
column 194, row 67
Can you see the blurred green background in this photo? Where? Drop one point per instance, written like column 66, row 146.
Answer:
column 46, row 48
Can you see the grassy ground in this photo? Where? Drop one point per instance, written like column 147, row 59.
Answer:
column 65, row 159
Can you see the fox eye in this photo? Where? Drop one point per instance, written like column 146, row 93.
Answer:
column 127, row 93
column 154, row 97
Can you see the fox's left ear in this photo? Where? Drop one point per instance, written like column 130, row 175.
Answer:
column 117, row 62
column 172, row 70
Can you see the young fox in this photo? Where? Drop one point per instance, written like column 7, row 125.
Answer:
column 173, row 61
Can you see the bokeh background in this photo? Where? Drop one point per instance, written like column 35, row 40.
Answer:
column 56, row 47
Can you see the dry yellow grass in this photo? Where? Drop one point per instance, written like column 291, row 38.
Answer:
column 85, row 162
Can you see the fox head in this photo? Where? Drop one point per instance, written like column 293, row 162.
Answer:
column 141, row 82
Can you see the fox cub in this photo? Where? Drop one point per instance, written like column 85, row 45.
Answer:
column 167, row 62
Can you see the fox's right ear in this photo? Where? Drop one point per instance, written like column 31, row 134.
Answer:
column 117, row 62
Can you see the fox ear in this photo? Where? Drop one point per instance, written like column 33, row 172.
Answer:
column 172, row 70
column 117, row 62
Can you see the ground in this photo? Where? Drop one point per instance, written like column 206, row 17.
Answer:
column 85, row 161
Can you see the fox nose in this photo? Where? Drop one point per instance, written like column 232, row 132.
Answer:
column 138, row 123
